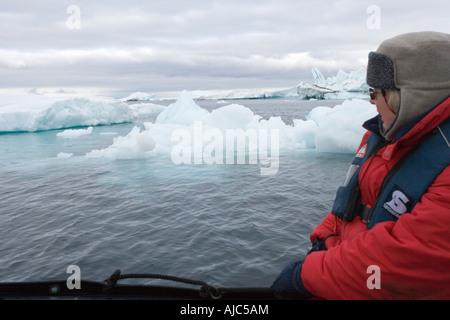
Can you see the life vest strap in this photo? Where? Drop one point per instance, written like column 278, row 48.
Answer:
column 408, row 180
column 403, row 186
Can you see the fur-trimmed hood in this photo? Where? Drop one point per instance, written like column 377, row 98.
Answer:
column 419, row 65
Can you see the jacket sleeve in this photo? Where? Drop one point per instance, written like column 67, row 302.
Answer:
column 412, row 255
column 330, row 226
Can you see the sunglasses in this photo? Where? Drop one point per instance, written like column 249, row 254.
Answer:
column 373, row 93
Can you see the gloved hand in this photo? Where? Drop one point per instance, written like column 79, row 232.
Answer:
column 289, row 285
column 318, row 245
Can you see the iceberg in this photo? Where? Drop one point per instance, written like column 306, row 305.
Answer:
column 138, row 96
column 34, row 112
column 324, row 129
column 134, row 145
column 183, row 111
column 344, row 85
column 339, row 129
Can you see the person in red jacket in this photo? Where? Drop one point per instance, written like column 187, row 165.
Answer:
column 378, row 242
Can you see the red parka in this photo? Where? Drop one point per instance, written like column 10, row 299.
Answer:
column 412, row 254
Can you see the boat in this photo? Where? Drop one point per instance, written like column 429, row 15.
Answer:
column 110, row 289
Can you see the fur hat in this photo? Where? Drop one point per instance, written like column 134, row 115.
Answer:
column 380, row 71
column 419, row 65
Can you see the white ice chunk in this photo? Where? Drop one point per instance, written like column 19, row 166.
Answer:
column 134, row 145
column 338, row 129
column 184, row 111
column 75, row 133
column 64, row 155
column 138, row 96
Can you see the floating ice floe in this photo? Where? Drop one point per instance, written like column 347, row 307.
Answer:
column 134, row 145
column 186, row 126
column 64, row 155
column 75, row 133
column 33, row 112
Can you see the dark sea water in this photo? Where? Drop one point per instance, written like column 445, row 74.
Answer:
column 227, row 225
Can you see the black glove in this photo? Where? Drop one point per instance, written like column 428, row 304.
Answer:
column 289, row 285
column 318, row 245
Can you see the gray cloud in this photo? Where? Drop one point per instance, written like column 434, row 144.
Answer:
column 175, row 45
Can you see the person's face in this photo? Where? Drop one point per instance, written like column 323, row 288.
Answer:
column 380, row 101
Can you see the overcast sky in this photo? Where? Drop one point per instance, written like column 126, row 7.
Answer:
column 120, row 47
